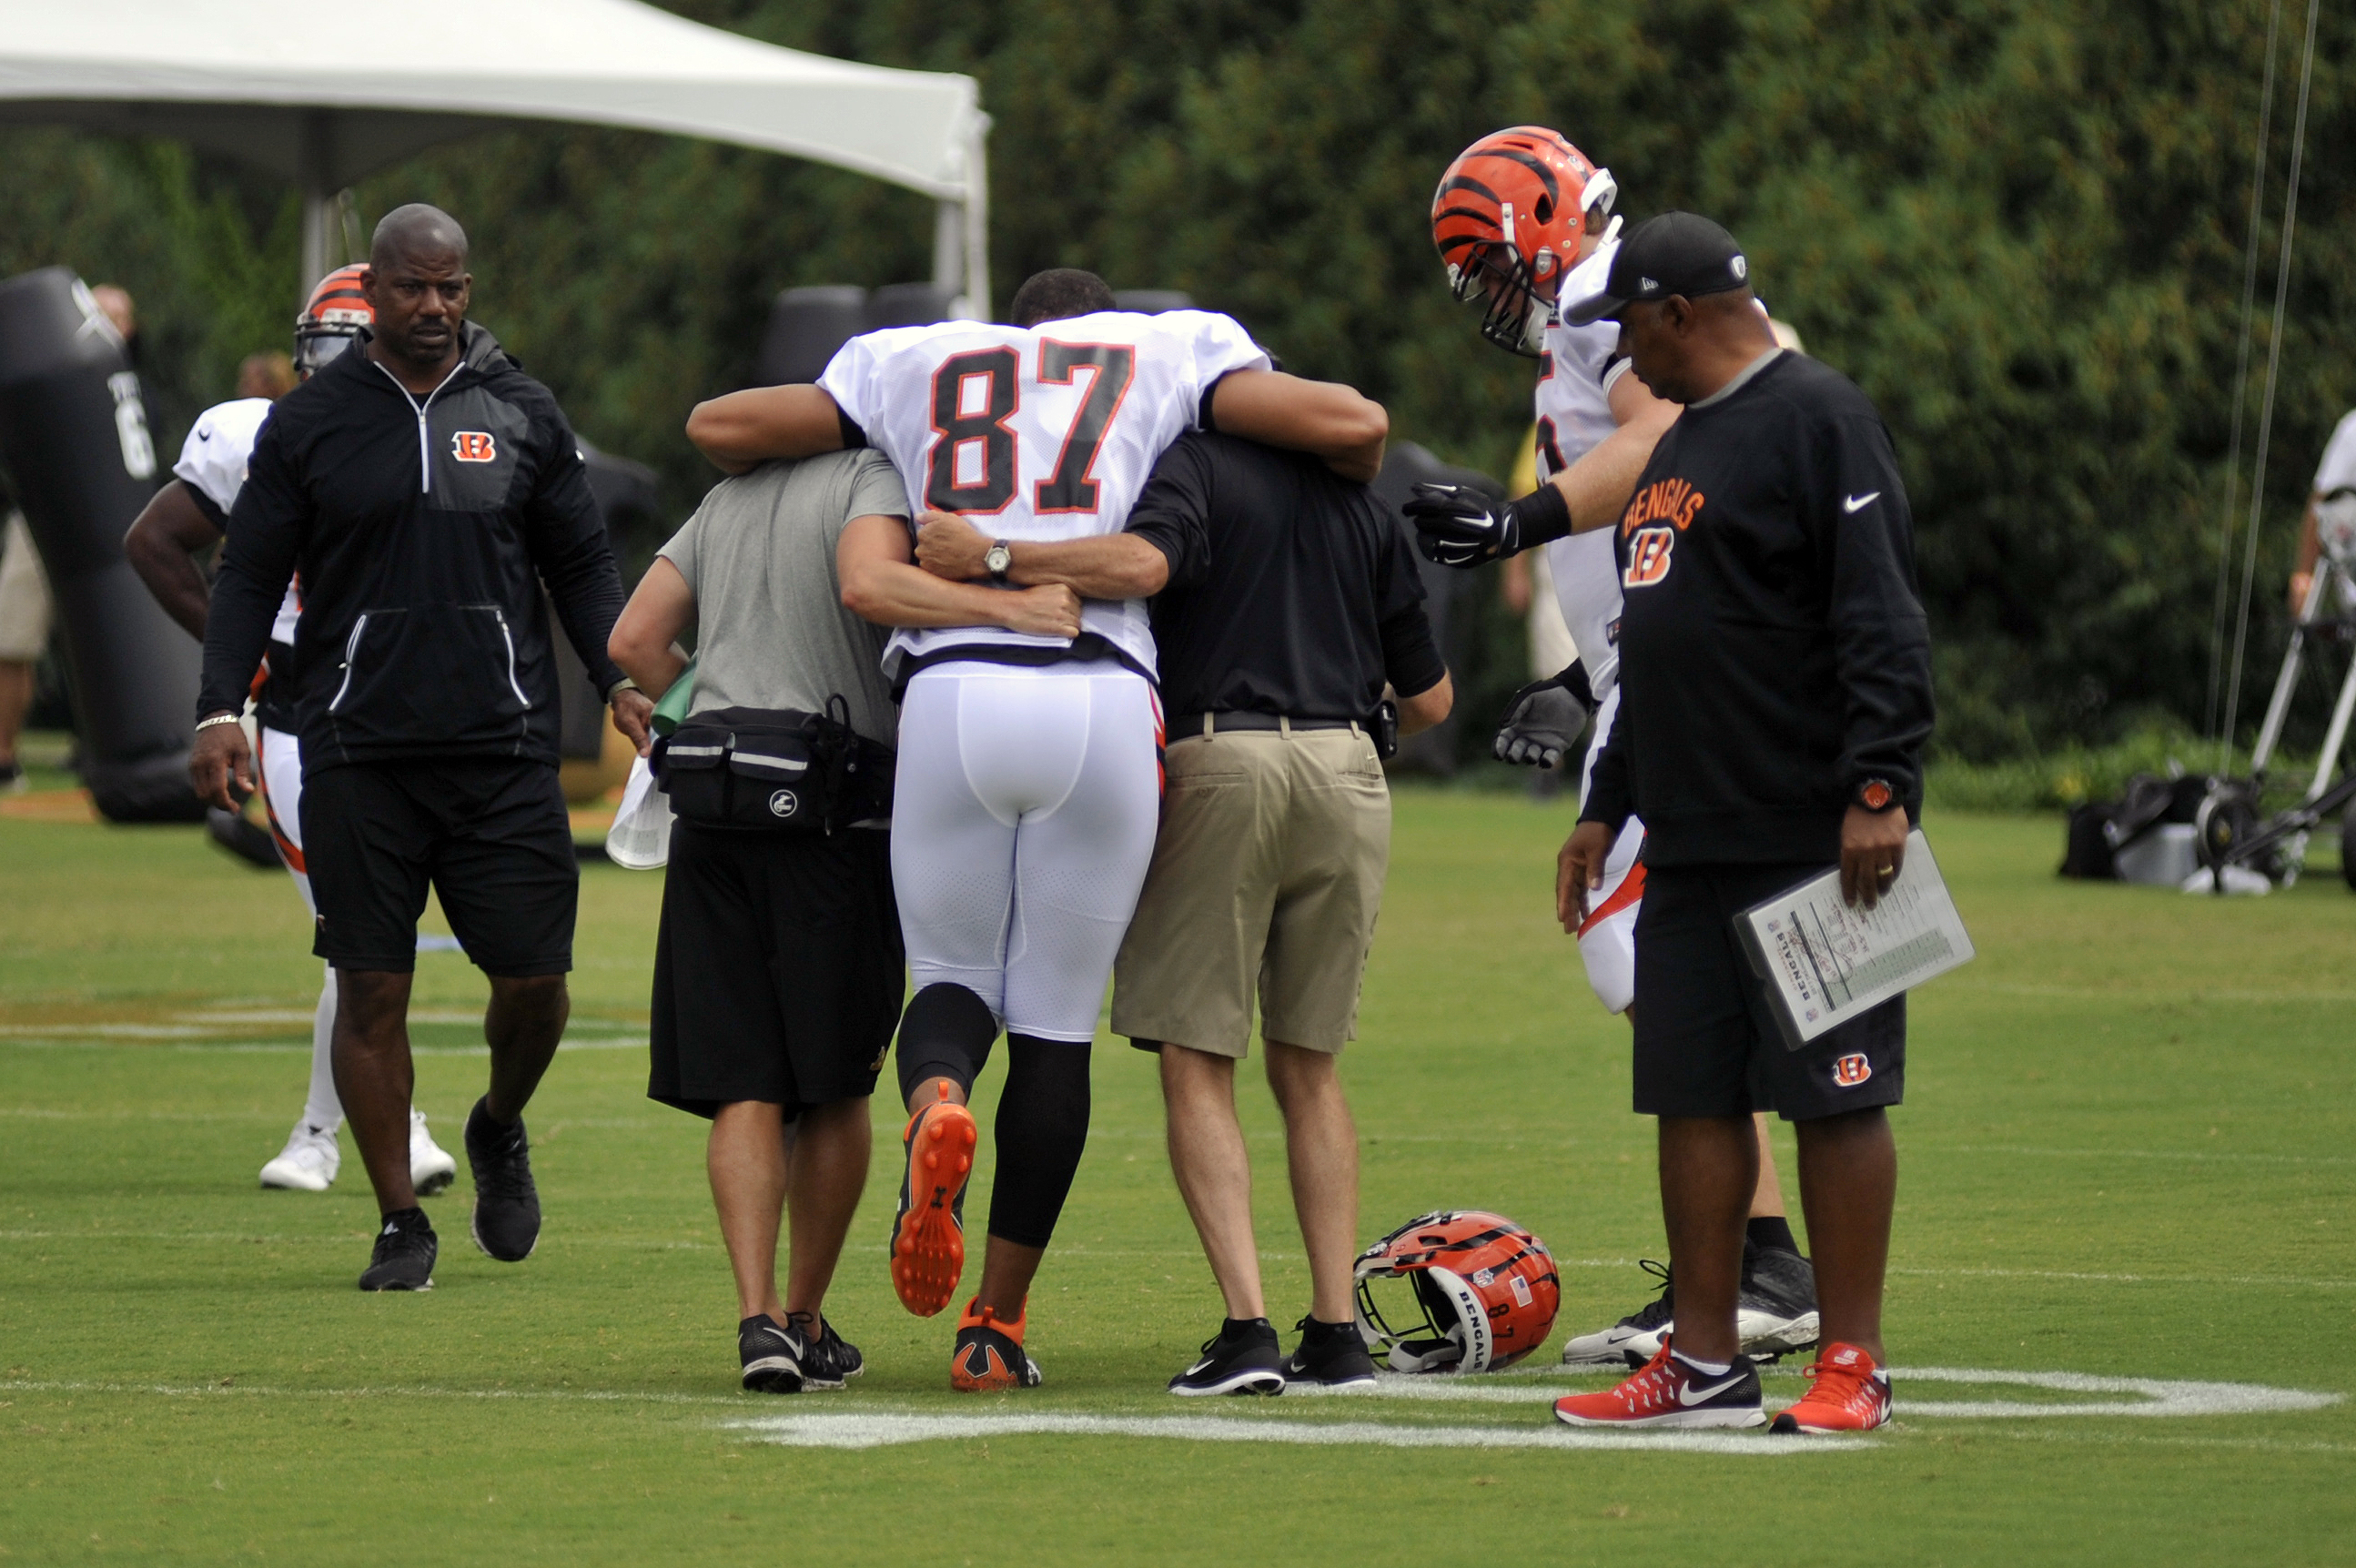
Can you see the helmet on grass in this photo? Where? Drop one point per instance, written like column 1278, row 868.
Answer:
column 332, row 319
column 1487, row 1290
column 1509, row 218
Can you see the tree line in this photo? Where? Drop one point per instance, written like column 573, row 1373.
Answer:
column 2019, row 227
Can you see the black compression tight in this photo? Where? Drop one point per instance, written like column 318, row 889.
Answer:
column 1042, row 1114
column 1043, row 1129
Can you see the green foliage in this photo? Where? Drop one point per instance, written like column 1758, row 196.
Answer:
column 2020, row 227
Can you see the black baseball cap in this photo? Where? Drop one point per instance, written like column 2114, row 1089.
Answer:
column 1676, row 252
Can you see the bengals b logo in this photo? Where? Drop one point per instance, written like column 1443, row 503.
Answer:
column 1852, row 1070
column 1648, row 557
column 474, row 446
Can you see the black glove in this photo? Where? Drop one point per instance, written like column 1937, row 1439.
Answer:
column 1457, row 526
column 1545, row 719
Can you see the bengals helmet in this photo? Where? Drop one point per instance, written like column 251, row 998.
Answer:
column 1509, row 218
column 332, row 319
column 1486, row 1288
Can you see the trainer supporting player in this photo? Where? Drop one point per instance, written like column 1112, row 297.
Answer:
column 779, row 964
column 426, row 487
column 1288, row 601
column 1778, row 672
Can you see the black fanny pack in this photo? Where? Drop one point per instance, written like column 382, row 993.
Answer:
column 774, row 770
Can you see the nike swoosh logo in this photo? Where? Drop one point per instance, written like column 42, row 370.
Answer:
column 1689, row 1395
column 1196, row 1368
column 1858, row 503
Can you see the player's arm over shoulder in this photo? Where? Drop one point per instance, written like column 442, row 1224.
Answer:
column 744, row 428
column 1325, row 419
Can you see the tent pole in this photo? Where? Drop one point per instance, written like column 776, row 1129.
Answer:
column 321, row 222
column 949, row 245
column 977, row 218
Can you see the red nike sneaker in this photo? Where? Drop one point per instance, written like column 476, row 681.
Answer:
column 928, row 1231
column 1667, row 1391
column 1846, row 1392
column 990, row 1355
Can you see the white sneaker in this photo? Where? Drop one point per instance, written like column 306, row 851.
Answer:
column 431, row 1168
column 308, row 1163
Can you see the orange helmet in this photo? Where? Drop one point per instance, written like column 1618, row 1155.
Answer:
column 332, row 319
column 1486, row 1288
column 1509, row 216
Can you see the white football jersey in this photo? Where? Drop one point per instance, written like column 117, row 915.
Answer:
column 1040, row 433
column 213, row 460
column 1576, row 373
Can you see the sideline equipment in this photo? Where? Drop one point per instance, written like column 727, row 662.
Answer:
column 1486, row 1288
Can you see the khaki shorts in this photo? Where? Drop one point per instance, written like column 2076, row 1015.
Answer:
column 1269, row 868
column 24, row 595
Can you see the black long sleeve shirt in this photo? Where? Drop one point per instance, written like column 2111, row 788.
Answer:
column 1774, row 657
column 1290, row 592
column 422, row 528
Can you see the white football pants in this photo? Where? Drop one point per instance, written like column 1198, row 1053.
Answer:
column 1022, row 820
column 1607, row 938
column 278, row 768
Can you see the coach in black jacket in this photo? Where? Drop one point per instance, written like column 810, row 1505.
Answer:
column 420, row 490
column 1778, row 671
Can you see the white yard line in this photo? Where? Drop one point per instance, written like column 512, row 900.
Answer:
column 2157, row 1396
column 875, row 1430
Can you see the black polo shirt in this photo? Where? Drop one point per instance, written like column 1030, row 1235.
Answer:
column 1290, row 591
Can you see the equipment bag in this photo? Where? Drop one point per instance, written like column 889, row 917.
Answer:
column 774, row 770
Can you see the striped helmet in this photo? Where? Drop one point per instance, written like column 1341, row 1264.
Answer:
column 1509, row 218
column 332, row 319
column 1484, row 1288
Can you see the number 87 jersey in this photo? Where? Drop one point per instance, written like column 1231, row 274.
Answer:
column 1039, row 433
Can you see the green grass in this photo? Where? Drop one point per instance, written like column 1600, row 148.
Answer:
column 2128, row 1153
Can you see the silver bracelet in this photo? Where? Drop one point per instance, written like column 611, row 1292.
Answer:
column 217, row 719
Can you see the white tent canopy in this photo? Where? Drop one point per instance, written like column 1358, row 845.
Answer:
column 283, row 85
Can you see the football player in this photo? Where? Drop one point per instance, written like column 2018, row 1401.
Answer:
column 1522, row 218
column 1028, row 786
column 188, row 516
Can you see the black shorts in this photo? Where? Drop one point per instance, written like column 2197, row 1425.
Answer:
column 492, row 836
column 778, row 970
column 1707, row 1044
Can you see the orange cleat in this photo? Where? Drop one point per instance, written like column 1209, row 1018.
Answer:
column 990, row 1355
column 1846, row 1392
column 928, row 1232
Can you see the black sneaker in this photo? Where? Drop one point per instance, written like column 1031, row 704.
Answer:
column 505, row 1223
column 1776, row 1311
column 405, row 1251
column 1244, row 1358
column 772, row 1355
column 1331, row 1355
column 1634, row 1339
column 828, row 1358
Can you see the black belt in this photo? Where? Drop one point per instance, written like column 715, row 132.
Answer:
column 1210, row 723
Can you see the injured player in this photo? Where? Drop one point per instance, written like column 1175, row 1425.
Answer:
column 1028, row 786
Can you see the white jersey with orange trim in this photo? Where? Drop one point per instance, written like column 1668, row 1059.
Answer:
column 1576, row 374
column 212, row 462
column 1040, row 433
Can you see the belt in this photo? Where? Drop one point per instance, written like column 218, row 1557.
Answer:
column 1209, row 724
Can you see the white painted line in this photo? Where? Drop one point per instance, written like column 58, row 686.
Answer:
column 2157, row 1396
column 2128, row 1279
column 2186, row 1156
column 877, row 1430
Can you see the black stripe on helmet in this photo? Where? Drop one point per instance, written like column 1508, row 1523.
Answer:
column 1514, row 154
column 1466, row 182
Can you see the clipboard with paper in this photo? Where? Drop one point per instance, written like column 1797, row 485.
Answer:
column 1825, row 963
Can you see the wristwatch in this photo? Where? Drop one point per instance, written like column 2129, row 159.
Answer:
column 1876, row 795
column 998, row 559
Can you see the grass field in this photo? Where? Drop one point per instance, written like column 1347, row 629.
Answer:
column 2129, row 1155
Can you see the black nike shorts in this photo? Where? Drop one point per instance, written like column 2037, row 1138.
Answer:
column 490, row 834
column 778, row 969
column 1707, row 1044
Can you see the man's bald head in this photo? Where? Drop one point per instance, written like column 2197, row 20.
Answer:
column 418, row 284
column 416, row 232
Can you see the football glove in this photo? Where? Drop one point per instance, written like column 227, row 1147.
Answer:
column 1458, row 526
column 1545, row 720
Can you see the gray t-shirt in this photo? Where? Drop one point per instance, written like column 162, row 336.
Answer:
column 758, row 556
